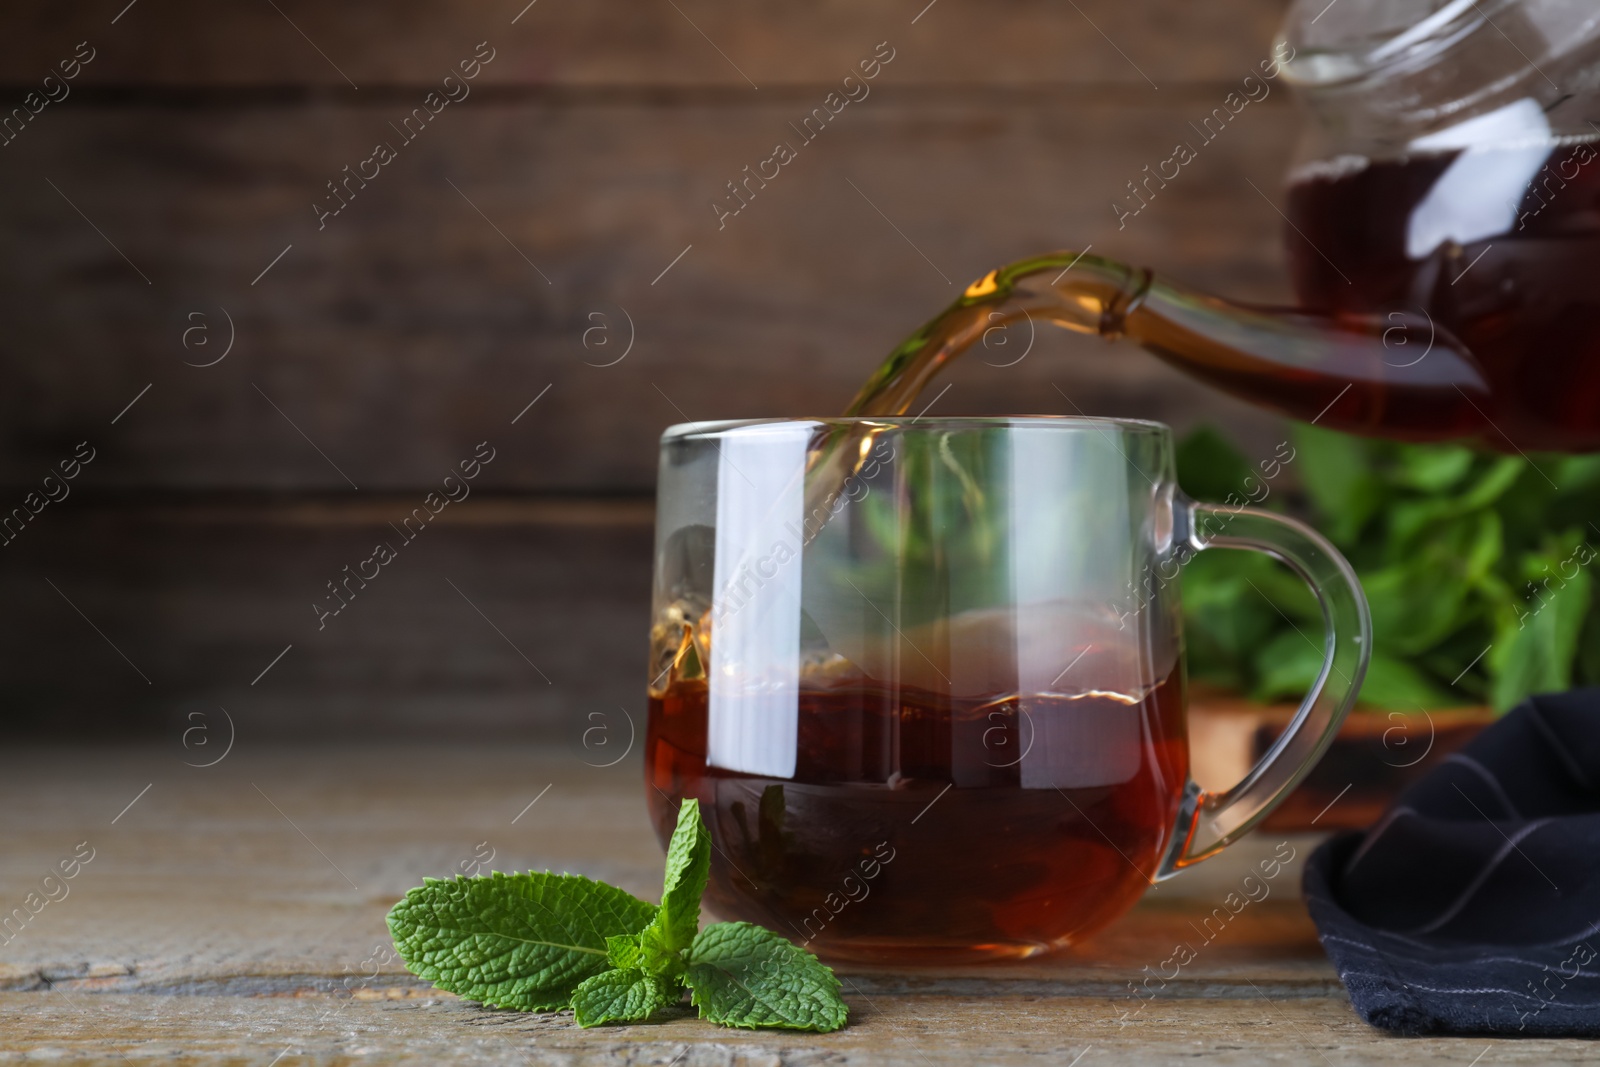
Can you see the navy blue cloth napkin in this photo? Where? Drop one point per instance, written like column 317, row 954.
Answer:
column 1473, row 906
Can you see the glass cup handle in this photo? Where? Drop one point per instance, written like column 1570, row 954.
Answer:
column 1208, row 822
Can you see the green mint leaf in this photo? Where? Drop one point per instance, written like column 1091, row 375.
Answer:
column 647, row 951
column 657, row 951
column 743, row 975
column 621, row 996
column 657, row 957
column 624, row 952
column 688, row 866
column 522, row 941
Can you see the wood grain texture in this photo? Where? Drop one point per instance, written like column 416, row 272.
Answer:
column 911, row 1030
column 222, row 911
column 908, row 1030
column 379, row 349
column 189, row 42
column 501, row 618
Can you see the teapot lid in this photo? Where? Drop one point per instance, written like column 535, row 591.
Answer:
column 1344, row 40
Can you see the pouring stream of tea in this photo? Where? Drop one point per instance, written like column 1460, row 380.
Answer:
column 1396, row 375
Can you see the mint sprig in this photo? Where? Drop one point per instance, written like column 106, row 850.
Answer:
column 540, row 942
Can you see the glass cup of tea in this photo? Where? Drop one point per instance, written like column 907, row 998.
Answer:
column 925, row 676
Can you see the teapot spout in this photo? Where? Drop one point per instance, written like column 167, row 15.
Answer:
column 1397, row 375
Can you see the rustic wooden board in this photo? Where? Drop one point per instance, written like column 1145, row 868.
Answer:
column 916, row 1030
column 222, row 910
column 202, row 597
column 369, row 44
column 411, row 328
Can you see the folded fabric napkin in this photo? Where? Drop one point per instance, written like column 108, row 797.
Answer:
column 1473, row 906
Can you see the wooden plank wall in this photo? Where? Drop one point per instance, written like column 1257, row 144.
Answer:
column 557, row 216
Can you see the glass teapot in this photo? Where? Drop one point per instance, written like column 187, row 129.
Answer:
column 1443, row 215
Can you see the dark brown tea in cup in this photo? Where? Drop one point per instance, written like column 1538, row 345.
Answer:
column 901, row 804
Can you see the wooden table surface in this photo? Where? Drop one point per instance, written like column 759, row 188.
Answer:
column 226, row 911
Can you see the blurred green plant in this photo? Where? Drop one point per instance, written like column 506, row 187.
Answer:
column 1476, row 566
